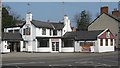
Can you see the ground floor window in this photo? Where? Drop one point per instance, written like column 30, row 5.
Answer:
column 101, row 42
column 43, row 43
column 86, row 46
column 106, row 42
column 111, row 40
column 68, row 43
column 87, row 43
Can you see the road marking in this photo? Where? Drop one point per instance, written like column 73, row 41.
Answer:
column 87, row 62
column 101, row 64
column 23, row 63
column 59, row 65
column 69, row 65
column 50, row 65
column 77, row 62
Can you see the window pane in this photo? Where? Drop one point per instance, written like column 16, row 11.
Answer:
column 10, row 30
column 43, row 31
column 101, row 42
column 23, row 31
column 68, row 43
column 17, row 31
column 81, row 43
column 54, row 32
column 87, row 43
column 43, row 43
column 26, row 31
column 50, row 32
column 57, row 46
column 106, row 42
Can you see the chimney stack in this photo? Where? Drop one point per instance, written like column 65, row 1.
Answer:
column 65, row 19
column 48, row 21
column 104, row 9
column 116, row 12
column 28, row 17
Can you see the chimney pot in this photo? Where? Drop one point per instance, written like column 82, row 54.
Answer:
column 116, row 12
column 48, row 21
column 104, row 9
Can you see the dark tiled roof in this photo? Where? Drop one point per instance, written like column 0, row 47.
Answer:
column 51, row 25
column 58, row 25
column 11, row 36
column 83, row 35
column 41, row 24
column 22, row 23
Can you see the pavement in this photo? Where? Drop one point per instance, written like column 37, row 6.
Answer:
column 108, row 59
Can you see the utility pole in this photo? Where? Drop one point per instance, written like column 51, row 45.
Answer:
column 0, row 33
column 119, row 5
column 0, row 20
column 63, row 8
column 28, row 10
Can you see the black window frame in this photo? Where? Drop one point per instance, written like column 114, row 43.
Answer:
column 17, row 31
column 54, row 32
column 10, row 30
column 26, row 31
column 68, row 43
column 43, row 43
column 43, row 31
column 50, row 32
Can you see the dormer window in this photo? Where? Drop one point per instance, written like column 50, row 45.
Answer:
column 50, row 32
column 26, row 31
column 43, row 31
column 54, row 32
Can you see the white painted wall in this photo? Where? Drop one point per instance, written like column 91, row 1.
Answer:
column 21, row 46
column 96, row 46
column 50, row 45
column 67, row 49
column 13, row 28
column 39, row 32
column 60, row 45
column 105, row 48
column 77, row 46
column 43, row 49
column 4, row 47
column 67, row 27
column 59, row 32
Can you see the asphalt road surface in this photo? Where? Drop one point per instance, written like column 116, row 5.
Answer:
column 109, row 59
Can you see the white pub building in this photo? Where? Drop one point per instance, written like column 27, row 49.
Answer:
column 40, row 36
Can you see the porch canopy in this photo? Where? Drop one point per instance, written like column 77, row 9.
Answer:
column 82, row 35
column 12, row 37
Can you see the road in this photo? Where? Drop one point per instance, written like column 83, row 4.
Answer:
column 108, row 59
